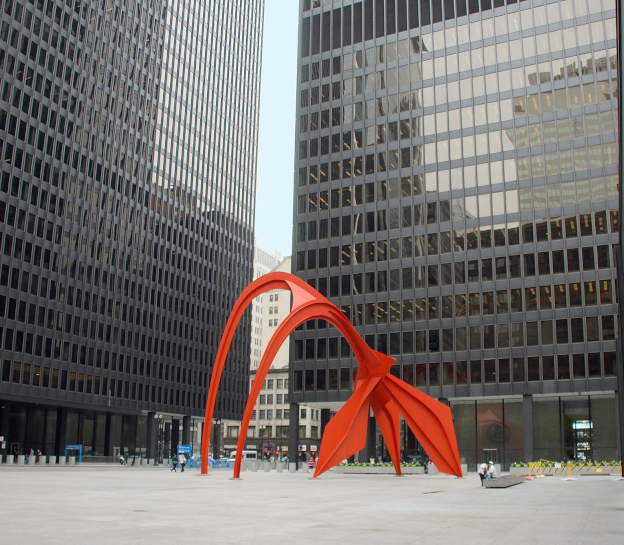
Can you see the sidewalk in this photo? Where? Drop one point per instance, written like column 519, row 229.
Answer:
column 112, row 504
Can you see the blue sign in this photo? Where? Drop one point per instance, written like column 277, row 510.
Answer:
column 187, row 450
column 74, row 447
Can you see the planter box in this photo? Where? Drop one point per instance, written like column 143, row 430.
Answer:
column 519, row 471
column 373, row 470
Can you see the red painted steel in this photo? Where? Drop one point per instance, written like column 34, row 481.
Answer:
column 374, row 388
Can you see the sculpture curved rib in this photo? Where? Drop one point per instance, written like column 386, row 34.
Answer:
column 374, row 388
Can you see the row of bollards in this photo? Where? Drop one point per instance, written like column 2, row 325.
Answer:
column 22, row 460
column 266, row 466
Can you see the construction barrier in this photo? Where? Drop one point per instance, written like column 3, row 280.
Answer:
column 547, row 467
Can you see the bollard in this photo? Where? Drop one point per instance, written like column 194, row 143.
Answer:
column 52, row 460
column 292, row 467
column 62, row 460
column 10, row 459
column 151, row 462
column 254, row 466
column 267, row 467
column 71, row 460
column 279, row 467
column 245, row 466
column 20, row 460
column 42, row 460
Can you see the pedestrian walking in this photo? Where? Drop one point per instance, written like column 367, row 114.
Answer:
column 182, row 460
column 311, row 463
column 483, row 471
column 174, row 463
column 38, row 456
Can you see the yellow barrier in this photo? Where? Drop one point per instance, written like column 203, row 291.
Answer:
column 547, row 467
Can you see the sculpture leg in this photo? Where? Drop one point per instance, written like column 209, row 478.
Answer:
column 346, row 432
column 257, row 287
column 389, row 421
column 431, row 422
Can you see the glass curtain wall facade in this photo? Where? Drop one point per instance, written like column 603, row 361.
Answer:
column 456, row 195
column 128, row 142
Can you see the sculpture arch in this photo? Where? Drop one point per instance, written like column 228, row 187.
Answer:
column 374, row 388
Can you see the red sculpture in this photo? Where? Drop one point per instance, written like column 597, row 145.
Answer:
column 374, row 388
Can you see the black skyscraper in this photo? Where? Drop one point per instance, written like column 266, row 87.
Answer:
column 456, row 195
column 127, row 137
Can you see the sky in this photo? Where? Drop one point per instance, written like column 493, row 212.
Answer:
column 276, row 146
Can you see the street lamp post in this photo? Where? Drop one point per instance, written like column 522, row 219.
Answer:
column 262, row 428
column 159, row 449
column 279, row 433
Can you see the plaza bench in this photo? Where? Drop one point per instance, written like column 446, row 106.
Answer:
column 504, row 482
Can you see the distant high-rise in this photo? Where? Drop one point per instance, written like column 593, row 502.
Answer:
column 456, row 195
column 128, row 138
column 264, row 263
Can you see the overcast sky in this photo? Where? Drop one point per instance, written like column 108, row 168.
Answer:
column 277, row 127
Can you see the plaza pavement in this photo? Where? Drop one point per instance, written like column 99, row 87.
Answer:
column 113, row 504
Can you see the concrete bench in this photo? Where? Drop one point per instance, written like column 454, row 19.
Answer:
column 504, row 482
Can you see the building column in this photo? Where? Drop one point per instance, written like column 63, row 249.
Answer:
column 167, row 442
column 325, row 418
column 370, row 450
column 4, row 429
column 152, row 436
column 619, row 250
column 293, row 434
column 619, row 419
column 61, row 431
column 371, row 439
column 216, row 439
column 527, row 407
column 186, row 430
column 109, row 441
column 175, row 435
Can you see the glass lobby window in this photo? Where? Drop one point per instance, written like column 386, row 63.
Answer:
column 547, row 428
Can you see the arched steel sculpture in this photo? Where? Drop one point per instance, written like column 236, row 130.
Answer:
column 430, row 421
